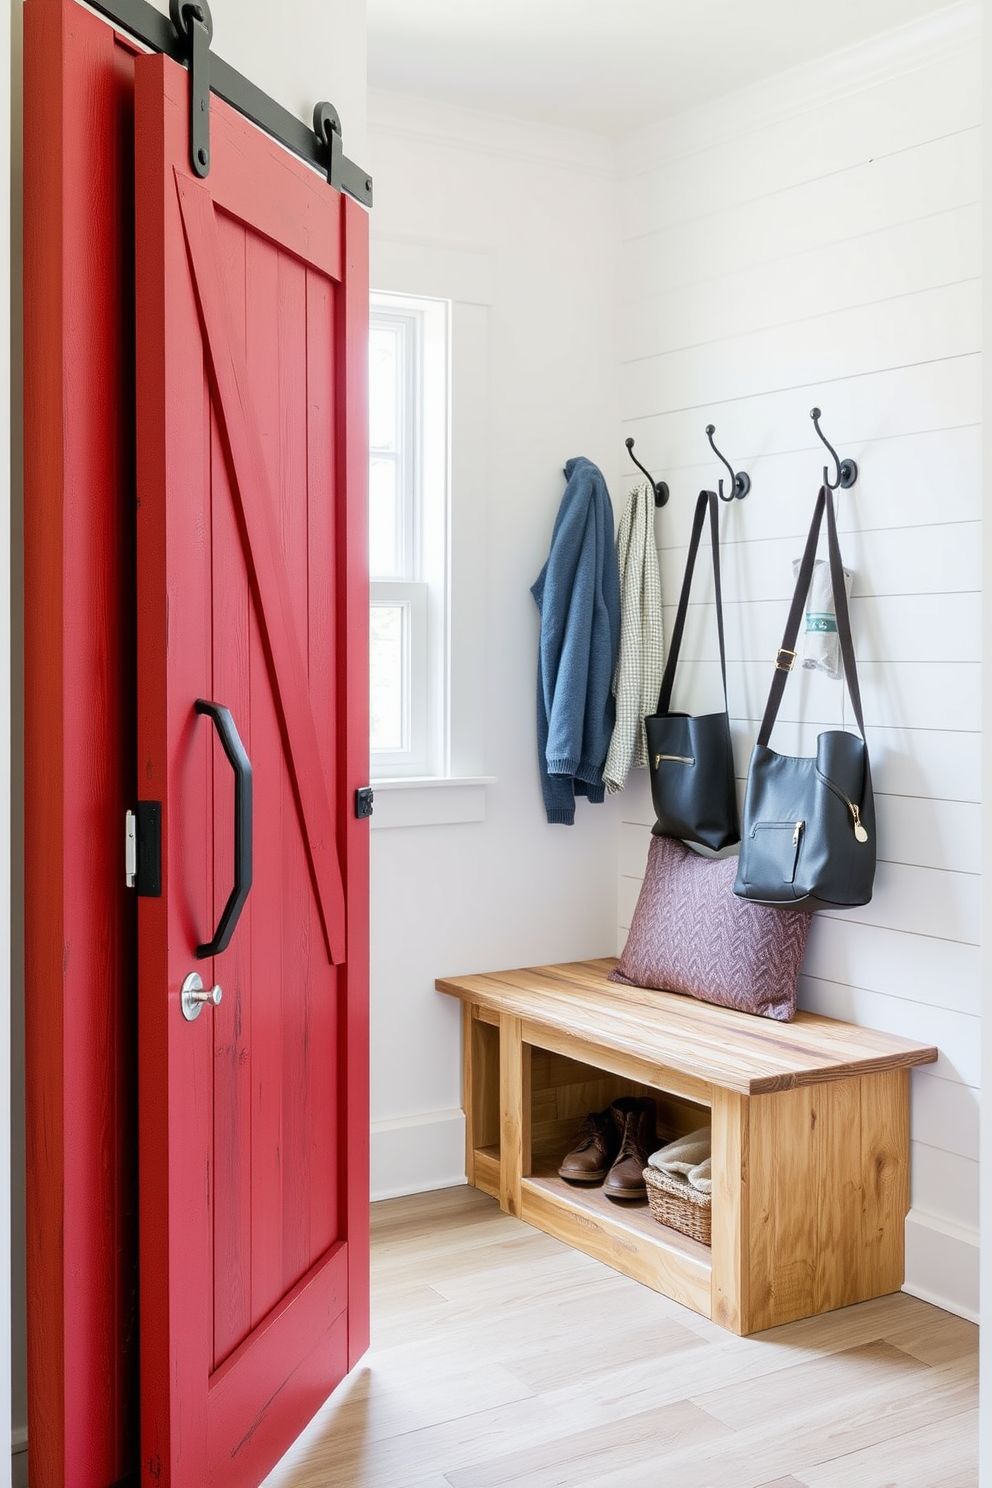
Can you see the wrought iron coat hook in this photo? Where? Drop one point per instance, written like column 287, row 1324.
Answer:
column 660, row 488
column 847, row 470
column 740, row 481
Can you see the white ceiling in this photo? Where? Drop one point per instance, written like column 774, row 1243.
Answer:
column 608, row 65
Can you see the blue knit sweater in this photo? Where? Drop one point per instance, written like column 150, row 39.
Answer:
column 578, row 595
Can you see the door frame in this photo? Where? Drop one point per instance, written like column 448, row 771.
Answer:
column 79, row 762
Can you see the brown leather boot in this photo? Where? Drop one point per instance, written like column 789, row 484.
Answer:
column 595, row 1148
column 636, row 1119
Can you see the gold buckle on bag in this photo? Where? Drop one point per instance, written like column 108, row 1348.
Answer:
column 787, row 666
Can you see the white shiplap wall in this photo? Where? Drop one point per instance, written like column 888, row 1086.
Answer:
column 456, row 188
column 817, row 240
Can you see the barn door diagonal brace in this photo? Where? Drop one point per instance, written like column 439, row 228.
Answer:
column 193, row 22
column 271, row 590
column 154, row 30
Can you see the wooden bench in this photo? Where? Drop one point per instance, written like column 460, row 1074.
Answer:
column 810, row 1124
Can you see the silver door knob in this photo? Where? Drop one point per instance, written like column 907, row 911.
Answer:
column 195, row 995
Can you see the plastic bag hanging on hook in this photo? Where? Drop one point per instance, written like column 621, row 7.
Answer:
column 821, row 643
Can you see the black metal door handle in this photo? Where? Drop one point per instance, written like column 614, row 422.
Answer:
column 241, row 765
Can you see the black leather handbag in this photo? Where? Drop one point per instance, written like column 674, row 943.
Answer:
column 691, row 758
column 809, row 824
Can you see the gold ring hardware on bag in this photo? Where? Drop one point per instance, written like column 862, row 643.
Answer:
column 786, row 666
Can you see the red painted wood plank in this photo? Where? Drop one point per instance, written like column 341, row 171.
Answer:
column 267, row 995
column 79, row 774
column 175, row 754
column 249, row 478
column 272, row 799
column 352, row 665
column 252, row 1411
column 323, row 387
column 44, row 801
column 232, row 1019
column 298, row 1402
column 302, row 970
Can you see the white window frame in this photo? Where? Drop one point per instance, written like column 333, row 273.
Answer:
column 455, row 790
column 420, row 584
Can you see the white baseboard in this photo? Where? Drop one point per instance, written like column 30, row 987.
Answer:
column 415, row 1154
column 942, row 1263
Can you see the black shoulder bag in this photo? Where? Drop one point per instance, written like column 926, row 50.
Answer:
column 691, row 759
column 809, row 824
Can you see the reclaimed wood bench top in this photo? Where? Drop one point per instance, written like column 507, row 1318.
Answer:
column 735, row 1051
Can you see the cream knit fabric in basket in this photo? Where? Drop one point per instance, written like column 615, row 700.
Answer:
column 688, row 1157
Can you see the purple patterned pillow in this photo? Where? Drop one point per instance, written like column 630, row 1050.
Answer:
column 691, row 933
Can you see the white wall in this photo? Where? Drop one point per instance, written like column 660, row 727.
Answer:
column 516, row 222
column 816, row 240
column 985, row 1335
column 5, row 825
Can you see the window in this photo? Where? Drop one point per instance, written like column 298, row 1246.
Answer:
column 430, row 477
column 408, row 506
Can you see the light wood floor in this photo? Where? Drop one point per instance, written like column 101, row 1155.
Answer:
column 501, row 1357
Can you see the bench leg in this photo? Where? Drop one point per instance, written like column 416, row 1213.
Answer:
column 730, row 1299
column 468, row 1089
column 829, row 1191
column 480, row 1100
column 514, row 1112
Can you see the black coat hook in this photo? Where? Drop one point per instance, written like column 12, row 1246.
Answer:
column 847, row 470
column 740, row 481
column 660, row 488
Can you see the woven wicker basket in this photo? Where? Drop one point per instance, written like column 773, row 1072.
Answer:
column 674, row 1202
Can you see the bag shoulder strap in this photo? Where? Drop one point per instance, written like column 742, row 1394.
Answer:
column 787, row 652
column 704, row 500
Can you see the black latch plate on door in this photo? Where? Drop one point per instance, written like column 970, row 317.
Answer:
column 148, row 823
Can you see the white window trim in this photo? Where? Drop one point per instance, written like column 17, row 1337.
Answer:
column 422, row 553
column 457, row 791
column 432, row 801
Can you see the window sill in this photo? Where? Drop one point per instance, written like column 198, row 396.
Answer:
column 430, row 801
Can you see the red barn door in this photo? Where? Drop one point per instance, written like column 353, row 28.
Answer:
column 251, row 294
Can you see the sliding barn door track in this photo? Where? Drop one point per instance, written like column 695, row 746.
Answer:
column 185, row 36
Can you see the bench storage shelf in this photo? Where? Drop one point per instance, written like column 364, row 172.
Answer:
column 810, row 1125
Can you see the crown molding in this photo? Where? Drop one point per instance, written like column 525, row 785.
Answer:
column 945, row 34
column 479, row 132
